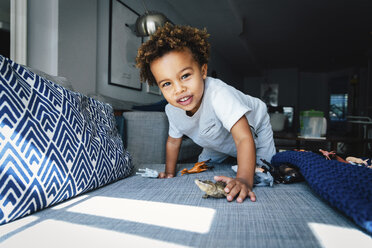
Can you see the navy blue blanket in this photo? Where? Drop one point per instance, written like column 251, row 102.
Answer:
column 345, row 186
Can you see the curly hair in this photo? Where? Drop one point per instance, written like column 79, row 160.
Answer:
column 168, row 38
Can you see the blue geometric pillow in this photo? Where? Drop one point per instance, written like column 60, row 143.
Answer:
column 54, row 143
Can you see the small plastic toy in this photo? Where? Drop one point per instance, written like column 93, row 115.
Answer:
column 327, row 154
column 262, row 176
column 289, row 173
column 198, row 167
column 332, row 155
column 211, row 189
column 357, row 160
column 285, row 173
column 148, row 173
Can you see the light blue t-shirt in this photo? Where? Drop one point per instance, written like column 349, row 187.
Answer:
column 222, row 106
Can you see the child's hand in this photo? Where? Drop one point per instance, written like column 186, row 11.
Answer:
column 236, row 187
column 165, row 175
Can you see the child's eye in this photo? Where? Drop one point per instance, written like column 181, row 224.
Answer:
column 165, row 84
column 185, row 76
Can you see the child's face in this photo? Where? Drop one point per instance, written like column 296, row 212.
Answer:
column 180, row 79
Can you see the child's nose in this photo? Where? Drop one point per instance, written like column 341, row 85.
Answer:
column 179, row 87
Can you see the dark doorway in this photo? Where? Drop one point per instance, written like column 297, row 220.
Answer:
column 5, row 43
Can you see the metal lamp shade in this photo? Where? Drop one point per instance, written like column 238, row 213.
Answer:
column 148, row 23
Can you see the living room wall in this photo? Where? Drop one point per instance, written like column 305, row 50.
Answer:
column 216, row 63
column 42, row 35
column 77, row 43
column 73, row 42
column 70, row 38
column 62, row 40
column 303, row 90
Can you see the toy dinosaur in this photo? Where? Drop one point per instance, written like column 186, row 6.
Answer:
column 332, row 154
column 198, row 167
column 327, row 154
column 262, row 176
column 357, row 160
column 285, row 173
column 212, row 189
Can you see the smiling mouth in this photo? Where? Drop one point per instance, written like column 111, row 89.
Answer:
column 185, row 100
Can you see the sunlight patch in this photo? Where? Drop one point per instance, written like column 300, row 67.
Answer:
column 182, row 217
column 53, row 233
column 336, row 236
column 17, row 224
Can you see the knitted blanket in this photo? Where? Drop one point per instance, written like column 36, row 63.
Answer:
column 344, row 186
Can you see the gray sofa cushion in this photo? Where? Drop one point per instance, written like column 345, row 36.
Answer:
column 152, row 128
column 143, row 212
column 145, row 136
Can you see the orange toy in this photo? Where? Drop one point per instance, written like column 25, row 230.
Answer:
column 332, row 154
column 327, row 154
column 198, row 167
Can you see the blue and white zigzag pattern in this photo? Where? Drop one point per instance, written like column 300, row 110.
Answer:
column 54, row 143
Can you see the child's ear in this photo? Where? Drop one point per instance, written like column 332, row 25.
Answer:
column 204, row 70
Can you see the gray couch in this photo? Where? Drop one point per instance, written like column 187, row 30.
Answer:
column 145, row 135
column 144, row 212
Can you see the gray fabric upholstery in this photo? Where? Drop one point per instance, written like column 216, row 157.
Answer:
column 152, row 127
column 281, row 217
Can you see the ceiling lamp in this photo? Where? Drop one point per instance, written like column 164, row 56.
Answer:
column 149, row 22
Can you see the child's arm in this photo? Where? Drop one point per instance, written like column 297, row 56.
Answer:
column 172, row 149
column 242, row 185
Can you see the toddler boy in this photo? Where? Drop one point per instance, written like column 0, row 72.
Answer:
column 216, row 116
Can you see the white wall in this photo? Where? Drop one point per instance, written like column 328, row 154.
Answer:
column 70, row 38
column 217, row 63
column 103, row 87
column 77, row 44
column 42, row 35
column 62, row 40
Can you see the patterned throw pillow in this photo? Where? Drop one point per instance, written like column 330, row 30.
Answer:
column 54, row 143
